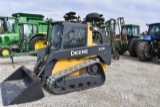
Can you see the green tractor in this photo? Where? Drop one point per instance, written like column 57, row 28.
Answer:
column 9, row 31
column 149, row 45
column 29, row 40
column 128, row 35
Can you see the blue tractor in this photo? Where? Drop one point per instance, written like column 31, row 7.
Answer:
column 149, row 45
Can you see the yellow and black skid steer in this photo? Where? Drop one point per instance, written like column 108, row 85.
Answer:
column 72, row 61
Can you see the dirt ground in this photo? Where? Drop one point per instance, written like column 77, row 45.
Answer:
column 129, row 83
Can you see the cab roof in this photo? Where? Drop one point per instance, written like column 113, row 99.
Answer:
column 131, row 25
column 27, row 15
column 6, row 17
column 158, row 23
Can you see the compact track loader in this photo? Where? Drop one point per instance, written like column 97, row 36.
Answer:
column 72, row 61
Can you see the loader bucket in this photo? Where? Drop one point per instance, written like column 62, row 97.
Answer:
column 20, row 87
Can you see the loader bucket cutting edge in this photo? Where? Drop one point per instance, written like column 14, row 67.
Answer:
column 20, row 87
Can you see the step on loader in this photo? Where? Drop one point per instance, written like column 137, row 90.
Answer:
column 71, row 61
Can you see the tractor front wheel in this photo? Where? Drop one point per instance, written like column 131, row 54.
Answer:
column 37, row 43
column 5, row 51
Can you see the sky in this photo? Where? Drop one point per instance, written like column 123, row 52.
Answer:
column 139, row 12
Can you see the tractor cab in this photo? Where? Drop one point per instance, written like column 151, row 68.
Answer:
column 127, row 31
column 21, row 44
column 7, row 24
column 154, row 31
column 26, row 31
column 128, row 35
column 29, row 40
column 131, row 30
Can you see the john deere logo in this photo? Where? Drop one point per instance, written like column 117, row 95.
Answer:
column 79, row 52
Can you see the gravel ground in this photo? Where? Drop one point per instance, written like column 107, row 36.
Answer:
column 129, row 83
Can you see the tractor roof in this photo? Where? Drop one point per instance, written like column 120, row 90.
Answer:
column 6, row 17
column 131, row 25
column 68, row 23
column 35, row 22
column 27, row 15
column 158, row 23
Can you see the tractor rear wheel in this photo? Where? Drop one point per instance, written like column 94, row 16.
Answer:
column 37, row 43
column 142, row 51
column 132, row 47
column 5, row 51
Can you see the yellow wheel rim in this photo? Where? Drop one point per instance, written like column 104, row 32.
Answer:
column 39, row 44
column 5, row 52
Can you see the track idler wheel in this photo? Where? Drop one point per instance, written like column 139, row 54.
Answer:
column 93, row 69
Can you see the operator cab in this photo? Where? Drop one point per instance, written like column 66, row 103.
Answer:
column 131, row 31
column 74, row 35
column 67, row 35
column 26, row 31
column 154, row 30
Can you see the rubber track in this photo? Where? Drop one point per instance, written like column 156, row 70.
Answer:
column 52, row 79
